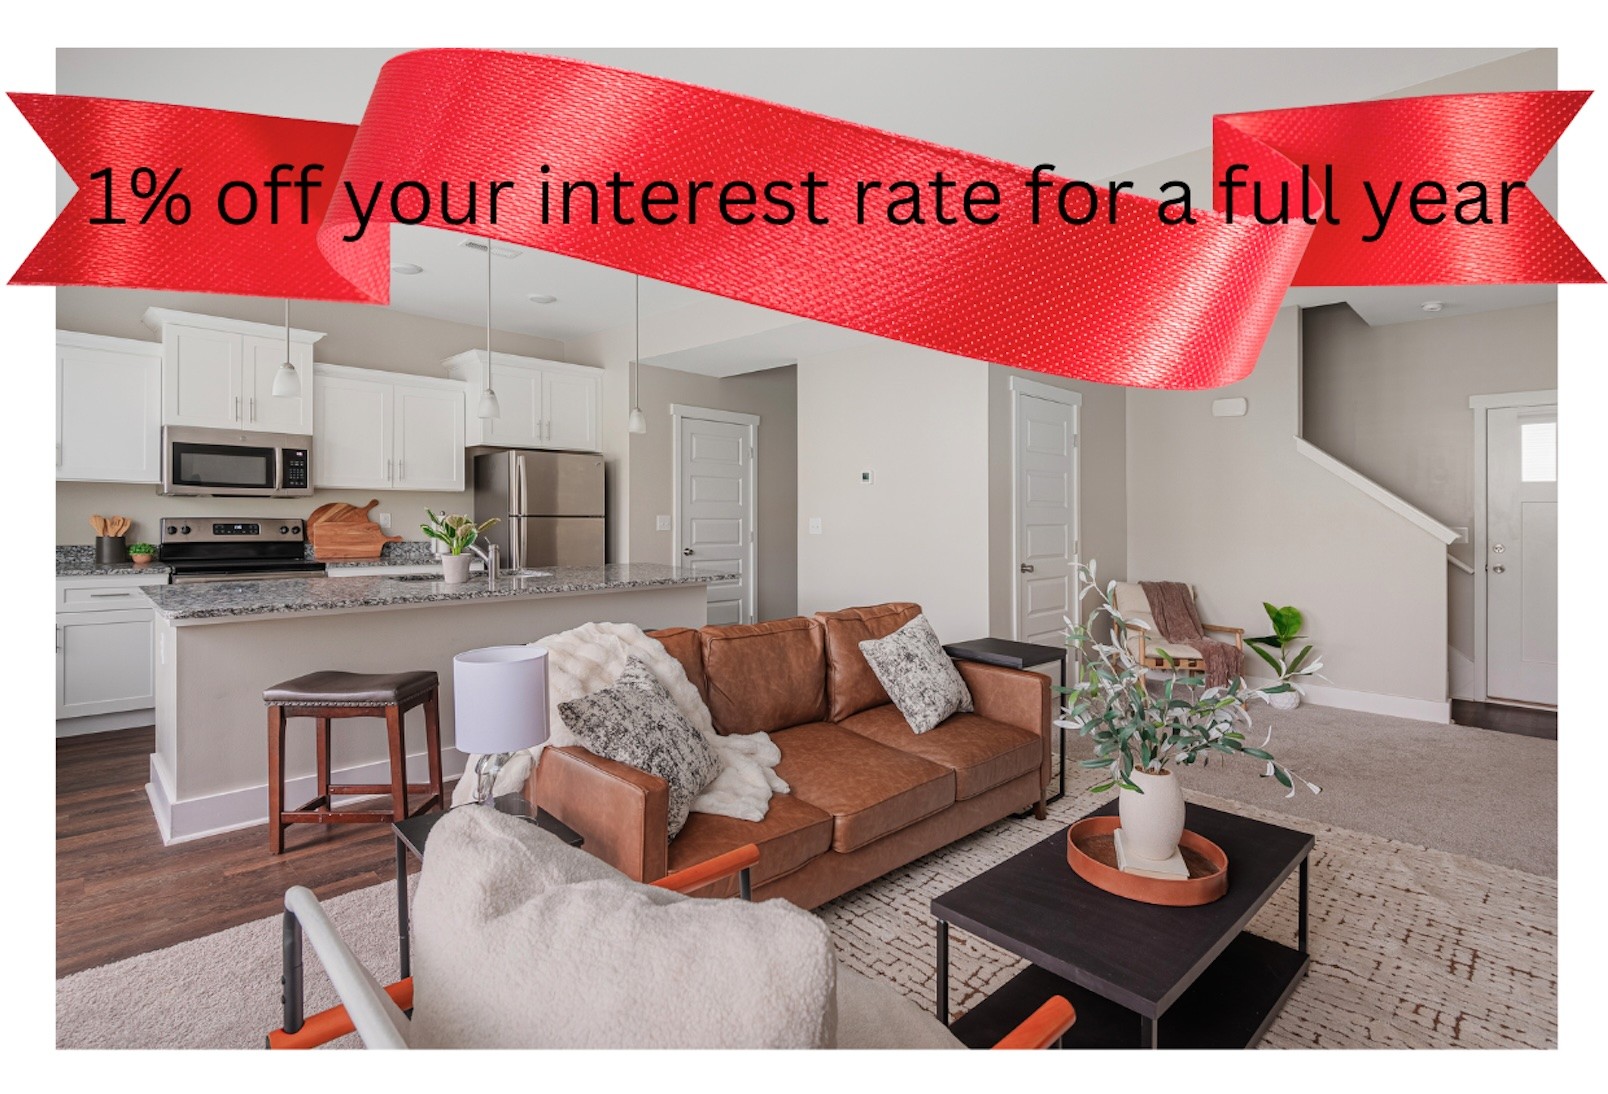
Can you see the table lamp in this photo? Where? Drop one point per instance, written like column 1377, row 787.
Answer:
column 499, row 707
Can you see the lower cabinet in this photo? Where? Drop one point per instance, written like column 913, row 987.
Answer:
column 105, row 650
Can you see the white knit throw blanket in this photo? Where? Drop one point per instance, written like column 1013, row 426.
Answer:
column 591, row 658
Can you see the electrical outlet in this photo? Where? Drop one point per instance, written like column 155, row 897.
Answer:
column 815, row 526
column 383, row 519
column 661, row 523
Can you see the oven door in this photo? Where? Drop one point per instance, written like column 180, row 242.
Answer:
column 226, row 462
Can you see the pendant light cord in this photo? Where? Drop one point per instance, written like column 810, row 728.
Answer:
column 488, row 313
column 636, row 332
column 287, row 330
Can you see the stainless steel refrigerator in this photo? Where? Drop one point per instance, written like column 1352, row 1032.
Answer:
column 549, row 506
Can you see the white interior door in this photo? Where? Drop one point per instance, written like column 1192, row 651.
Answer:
column 1046, row 513
column 715, row 510
column 1521, row 575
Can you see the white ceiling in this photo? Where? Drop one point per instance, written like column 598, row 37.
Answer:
column 1021, row 106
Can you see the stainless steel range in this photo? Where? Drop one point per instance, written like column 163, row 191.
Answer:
column 235, row 549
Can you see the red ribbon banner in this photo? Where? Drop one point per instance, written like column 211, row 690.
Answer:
column 810, row 215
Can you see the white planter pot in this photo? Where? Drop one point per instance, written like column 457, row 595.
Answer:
column 1285, row 700
column 455, row 569
column 1152, row 822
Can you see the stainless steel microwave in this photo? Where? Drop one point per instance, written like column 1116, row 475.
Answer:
column 235, row 463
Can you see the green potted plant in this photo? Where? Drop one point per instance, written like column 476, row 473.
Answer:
column 141, row 553
column 1287, row 623
column 1143, row 733
column 456, row 534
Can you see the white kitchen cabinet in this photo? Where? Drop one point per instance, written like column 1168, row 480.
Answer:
column 376, row 430
column 542, row 404
column 108, row 409
column 105, row 656
column 219, row 373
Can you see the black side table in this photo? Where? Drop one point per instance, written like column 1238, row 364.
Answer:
column 1018, row 655
column 413, row 833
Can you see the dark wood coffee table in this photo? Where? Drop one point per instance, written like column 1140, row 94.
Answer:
column 1126, row 965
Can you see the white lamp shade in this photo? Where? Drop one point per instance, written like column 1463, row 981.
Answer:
column 637, row 422
column 287, row 383
column 500, row 698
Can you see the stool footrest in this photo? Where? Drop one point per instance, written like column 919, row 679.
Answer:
column 319, row 808
column 376, row 789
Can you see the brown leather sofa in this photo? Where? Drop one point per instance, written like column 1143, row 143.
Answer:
column 868, row 794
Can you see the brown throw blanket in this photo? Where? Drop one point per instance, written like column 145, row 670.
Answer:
column 1173, row 609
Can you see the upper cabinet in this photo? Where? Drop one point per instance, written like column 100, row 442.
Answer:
column 386, row 431
column 220, row 372
column 541, row 404
column 108, row 409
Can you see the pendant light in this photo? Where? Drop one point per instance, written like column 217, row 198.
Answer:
column 287, row 382
column 637, row 422
column 488, row 397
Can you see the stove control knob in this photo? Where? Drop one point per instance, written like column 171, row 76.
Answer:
column 284, row 529
column 295, row 529
column 172, row 529
column 185, row 530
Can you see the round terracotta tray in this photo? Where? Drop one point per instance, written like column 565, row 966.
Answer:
column 1091, row 851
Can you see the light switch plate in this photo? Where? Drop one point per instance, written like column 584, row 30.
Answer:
column 661, row 523
column 815, row 526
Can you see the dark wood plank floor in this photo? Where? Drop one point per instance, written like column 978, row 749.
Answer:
column 1525, row 721
column 120, row 892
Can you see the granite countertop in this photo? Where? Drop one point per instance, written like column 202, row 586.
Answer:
column 78, row 560
column 296, row 596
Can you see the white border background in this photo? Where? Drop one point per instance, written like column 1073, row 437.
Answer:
column 28, row 51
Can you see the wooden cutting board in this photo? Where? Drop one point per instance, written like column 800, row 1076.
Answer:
column 348, row 540
column 340, row 511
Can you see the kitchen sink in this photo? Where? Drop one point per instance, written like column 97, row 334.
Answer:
column 413, row 577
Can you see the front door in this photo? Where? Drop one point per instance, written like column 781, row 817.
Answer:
column 1521, row 563
column 1046, row 516
column 716, row 519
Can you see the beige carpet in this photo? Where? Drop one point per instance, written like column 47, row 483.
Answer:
column 1411, row 948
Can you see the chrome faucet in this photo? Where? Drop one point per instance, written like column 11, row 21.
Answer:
column 491, row 559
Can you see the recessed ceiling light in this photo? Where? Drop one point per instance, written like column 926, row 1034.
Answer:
column 406, row 268
column 1432, row 305
column 543, row 298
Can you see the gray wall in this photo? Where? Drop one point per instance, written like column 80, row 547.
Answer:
column 1102, row 484
column 771, row 394
column 1229, row 505
column 1392, row 402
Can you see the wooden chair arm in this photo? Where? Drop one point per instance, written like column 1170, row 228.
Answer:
column 1237, row 632
column 1043, row 1028
column 737, row 861
column 327, row 1025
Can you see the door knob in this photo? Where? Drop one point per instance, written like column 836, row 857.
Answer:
column 686, row 550
column 1027, row 567
column 1499, row 569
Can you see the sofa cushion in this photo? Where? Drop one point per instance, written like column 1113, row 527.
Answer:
column 851, row 686
column 919, row 676
column 636, row 722
column 981, row 752
column 869, row 788
column 764, row 676
column 685, row 646
column 792, row 833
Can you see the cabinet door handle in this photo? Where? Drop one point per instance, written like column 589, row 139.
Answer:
column 237, row 408
column 253, row 408
column 388, row 471
column 106, row 596
column 401, row 470
column 58, row 637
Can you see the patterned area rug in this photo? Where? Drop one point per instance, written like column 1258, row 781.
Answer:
column 1411, row 948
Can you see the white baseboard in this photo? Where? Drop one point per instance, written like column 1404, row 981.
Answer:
column 1396, row 706
column 104, row 723
column 196, row 818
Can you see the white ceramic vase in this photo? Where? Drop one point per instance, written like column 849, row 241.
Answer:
column 455, row 569
column 1284, row 700
column 1152, row 822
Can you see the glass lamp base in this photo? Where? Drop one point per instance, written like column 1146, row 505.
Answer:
column 486, row 770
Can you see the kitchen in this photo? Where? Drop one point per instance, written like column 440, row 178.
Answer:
column 219, row 437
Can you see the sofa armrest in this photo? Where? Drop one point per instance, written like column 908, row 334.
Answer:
column 622, row 813
column 1016, row 697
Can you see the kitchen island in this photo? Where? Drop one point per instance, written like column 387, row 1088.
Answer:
column 219, row 644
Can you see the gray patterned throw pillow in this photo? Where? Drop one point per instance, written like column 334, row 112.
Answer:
column 637, row 723
column 917, row 674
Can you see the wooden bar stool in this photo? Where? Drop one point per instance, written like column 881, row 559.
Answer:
column 325, row 695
